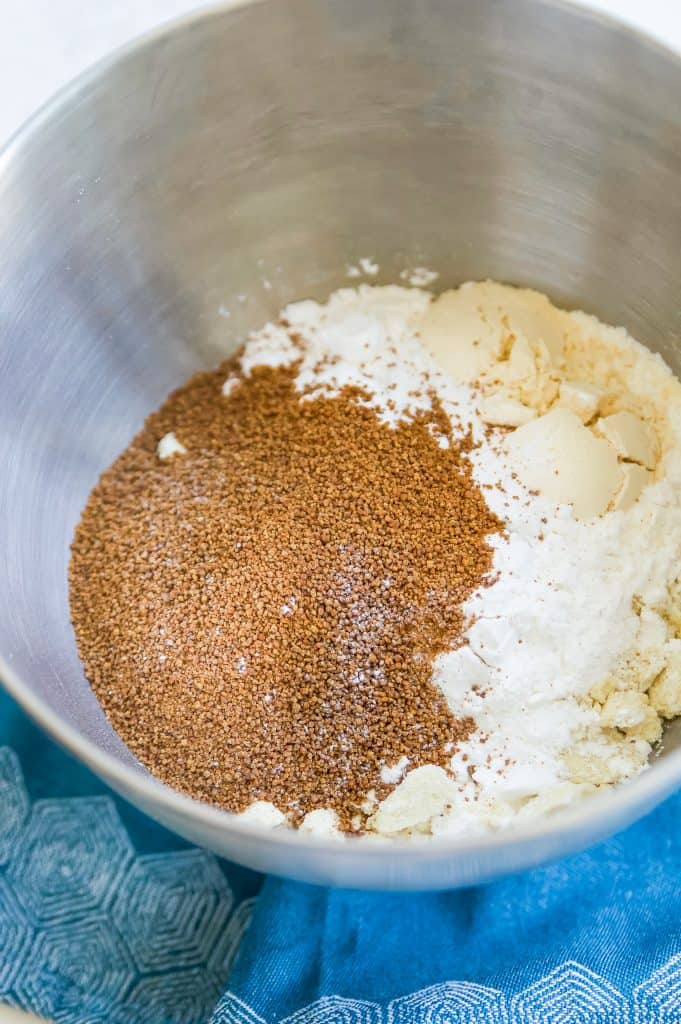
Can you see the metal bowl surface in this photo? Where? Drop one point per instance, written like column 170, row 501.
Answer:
column 238, row 160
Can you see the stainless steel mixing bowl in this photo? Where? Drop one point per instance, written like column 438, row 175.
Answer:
column 240, row 159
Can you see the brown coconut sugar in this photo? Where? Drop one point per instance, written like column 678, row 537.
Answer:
column 258, row 616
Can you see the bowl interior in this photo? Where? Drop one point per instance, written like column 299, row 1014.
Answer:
column 183, row 192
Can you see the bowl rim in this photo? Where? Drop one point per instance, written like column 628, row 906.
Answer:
column 622, row 803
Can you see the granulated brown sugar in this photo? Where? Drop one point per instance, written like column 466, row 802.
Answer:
column 259, row 616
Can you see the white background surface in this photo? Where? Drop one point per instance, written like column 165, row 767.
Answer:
column 44, row 43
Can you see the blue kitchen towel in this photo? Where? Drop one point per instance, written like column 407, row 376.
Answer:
column 105, row 918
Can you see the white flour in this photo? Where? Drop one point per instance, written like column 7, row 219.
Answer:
column 572, row 652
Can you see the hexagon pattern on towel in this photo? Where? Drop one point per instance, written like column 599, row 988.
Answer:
column 570, row 994
column 451, row 1003
column 13, row 802
column 16, row 936
column 57, row 983
column 93, row 933
column 337, row 1010
column 69, row 858
column 156, row 938
column 657, row 1000
column 179, row 997
column 172, row 908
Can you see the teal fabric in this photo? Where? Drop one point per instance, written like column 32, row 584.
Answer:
column 104, row 915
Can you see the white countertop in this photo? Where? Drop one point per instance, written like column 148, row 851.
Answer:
column 44, row 43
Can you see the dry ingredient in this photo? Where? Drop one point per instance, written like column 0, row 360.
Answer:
column 259, row 615
column 532, row 672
